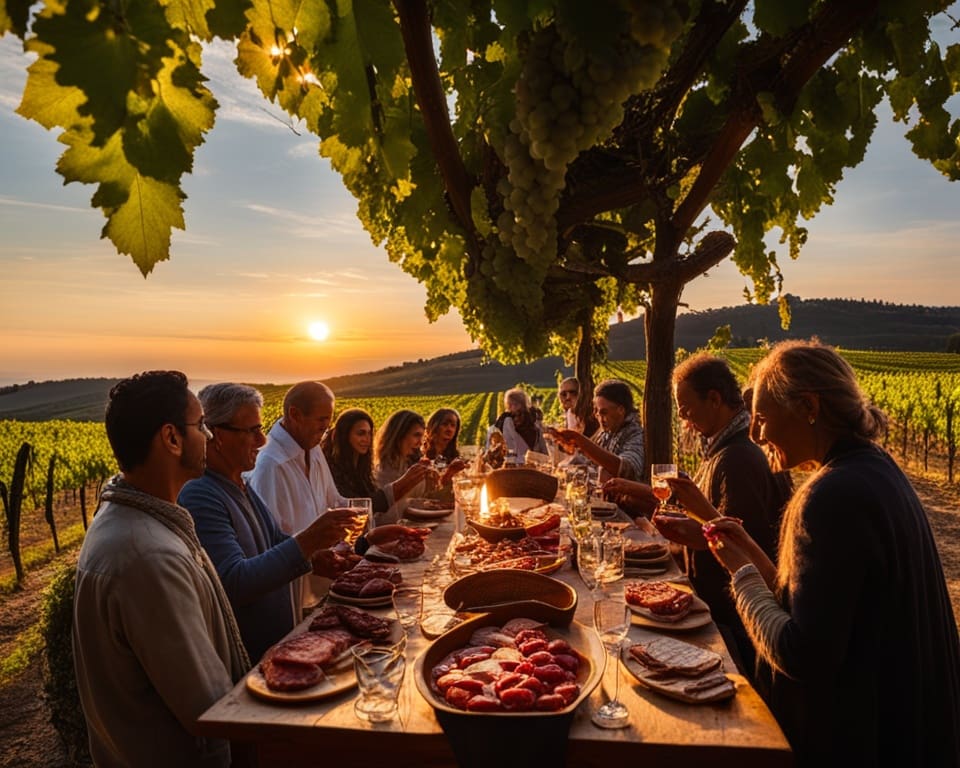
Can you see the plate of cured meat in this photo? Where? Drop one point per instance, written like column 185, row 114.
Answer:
column 665, row 605
column 316, row 663
column 368, row 585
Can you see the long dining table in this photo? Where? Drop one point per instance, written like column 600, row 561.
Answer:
column 739, row 732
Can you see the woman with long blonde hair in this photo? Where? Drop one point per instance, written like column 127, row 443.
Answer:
column 857, row 645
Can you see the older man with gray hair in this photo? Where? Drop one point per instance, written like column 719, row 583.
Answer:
column 256, row 561
column 292, row 475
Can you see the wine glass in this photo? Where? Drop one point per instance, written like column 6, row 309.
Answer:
column 658, row 479
column 363, row 515
column 588, row 560
column 611, row 619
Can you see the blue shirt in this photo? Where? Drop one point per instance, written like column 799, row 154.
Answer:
column 256, row 561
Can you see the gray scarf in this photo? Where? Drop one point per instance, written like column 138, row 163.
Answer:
column 739, row 422
column 179, row 520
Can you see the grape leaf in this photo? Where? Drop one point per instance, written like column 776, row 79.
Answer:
column 777, row 17
column 140, row 210
column 14, row 15
column 106, row 55
column 190, row 15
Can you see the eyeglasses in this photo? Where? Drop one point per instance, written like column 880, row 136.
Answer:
column 256, row 429
column 567, row 392
column 202, row 426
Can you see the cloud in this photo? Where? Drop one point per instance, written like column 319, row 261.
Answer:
column 42, row 206
column 305, row 149
column 310, row 227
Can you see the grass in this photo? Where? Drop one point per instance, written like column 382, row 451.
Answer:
column 40, row 554
column 26, row 647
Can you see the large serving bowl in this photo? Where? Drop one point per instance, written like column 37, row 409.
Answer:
column 521, row 593
column 521, row 482
column 509, row 738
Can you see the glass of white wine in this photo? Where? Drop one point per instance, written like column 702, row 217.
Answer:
column 658, row 479
column 362, row 518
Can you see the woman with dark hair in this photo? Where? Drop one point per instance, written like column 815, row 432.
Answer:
column 347, row 448
column 440, row 443
column 857, row 645
column 617, row 447
column 396, row 449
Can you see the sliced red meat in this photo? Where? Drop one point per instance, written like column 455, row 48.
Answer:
column 328, row 618
column 363, row 624
column 289, row 677
column 319, row 648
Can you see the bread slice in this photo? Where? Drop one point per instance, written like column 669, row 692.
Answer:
column 668, row 656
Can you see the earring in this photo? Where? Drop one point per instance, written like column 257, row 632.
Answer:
column 811, row 421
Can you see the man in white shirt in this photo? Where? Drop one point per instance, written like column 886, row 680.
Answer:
column 292, row 477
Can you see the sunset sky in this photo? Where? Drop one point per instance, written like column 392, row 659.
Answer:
column 273, row 244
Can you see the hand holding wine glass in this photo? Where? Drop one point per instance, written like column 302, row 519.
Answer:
column 658, row 480
column 611, row 618
column 363, row 516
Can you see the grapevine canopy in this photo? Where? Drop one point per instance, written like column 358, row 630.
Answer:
column 534, row 163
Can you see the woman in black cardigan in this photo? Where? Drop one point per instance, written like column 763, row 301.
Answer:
column 853, row 628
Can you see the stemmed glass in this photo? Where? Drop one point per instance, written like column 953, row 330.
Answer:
column 658, row 479
column 588, row 560
column 611, row 618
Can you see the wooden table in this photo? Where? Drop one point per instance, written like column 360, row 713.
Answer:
column 740, row 732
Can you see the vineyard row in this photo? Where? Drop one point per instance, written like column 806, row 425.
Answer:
column 919, row 391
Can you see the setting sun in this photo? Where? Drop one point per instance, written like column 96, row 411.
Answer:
column 318, row 331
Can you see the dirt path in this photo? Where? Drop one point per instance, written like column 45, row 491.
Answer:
column 28, row 740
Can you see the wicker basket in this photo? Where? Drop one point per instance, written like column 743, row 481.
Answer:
column 512, row 592
column 529, row 483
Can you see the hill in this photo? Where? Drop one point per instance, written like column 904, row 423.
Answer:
column 460, row 373
column 868, row 325
column 847, row 323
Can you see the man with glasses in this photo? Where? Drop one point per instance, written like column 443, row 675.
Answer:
column 256, row 561
column 292, row 476
column 569, row 393
column 154, row 637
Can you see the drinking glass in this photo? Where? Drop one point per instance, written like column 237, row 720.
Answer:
column 363, row 518
column 406, row 604
column 610, row 566
column 611, row 619
column 658, row 479
column 379, row 670
column 581, row 521
column 588, row 560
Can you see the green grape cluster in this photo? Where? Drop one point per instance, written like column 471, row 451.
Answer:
column 569, row 98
